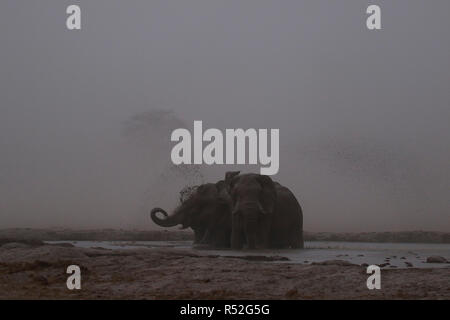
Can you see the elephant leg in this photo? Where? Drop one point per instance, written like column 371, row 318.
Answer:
column 301, row 243
column 207, row 238
column 205, row 242
column 198, row 236
column 222, row 237
column 296, row 239
column 264, row 235
column 237, row 239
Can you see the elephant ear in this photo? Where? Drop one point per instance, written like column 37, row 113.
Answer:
column 229, row 175
column 221, row 185
column 230, row 178
column 268, row 196
column 222, row 190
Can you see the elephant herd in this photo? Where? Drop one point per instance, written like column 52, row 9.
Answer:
column 243, row 211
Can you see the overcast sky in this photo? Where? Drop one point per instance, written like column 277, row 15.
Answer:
column 86, row 116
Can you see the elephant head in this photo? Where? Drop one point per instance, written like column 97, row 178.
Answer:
column 206, row 206
column 253, row 204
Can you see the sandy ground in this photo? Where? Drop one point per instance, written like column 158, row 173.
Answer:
column 33, row 271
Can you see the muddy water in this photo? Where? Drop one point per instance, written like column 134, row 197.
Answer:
column 391, row 255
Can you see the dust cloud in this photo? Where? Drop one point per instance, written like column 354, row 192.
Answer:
column 86, row 117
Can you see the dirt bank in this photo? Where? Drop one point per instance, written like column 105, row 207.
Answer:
column 30, row 271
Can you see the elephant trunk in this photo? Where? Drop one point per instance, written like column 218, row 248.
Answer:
column 236, row 232
column 168, row 221
column 245, row 226
column 251, row 229
column 236, row 239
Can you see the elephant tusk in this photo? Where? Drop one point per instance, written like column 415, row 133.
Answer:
column 260, row 207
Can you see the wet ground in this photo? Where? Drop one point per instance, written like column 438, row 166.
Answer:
column 39, row 272
column 386, row 255
column 163, row 265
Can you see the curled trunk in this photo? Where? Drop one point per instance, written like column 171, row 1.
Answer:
column 168, row 221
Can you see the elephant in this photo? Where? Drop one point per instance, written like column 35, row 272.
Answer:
column 206, row 211
column 264, row 213
column 287, row 227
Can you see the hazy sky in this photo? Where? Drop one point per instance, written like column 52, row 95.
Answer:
column 363, row 115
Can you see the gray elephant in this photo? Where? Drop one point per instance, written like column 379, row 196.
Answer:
column 264, row 213
column 206, row 211
column 287, row 227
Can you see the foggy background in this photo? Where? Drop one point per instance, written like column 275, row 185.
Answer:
column 86, row 116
